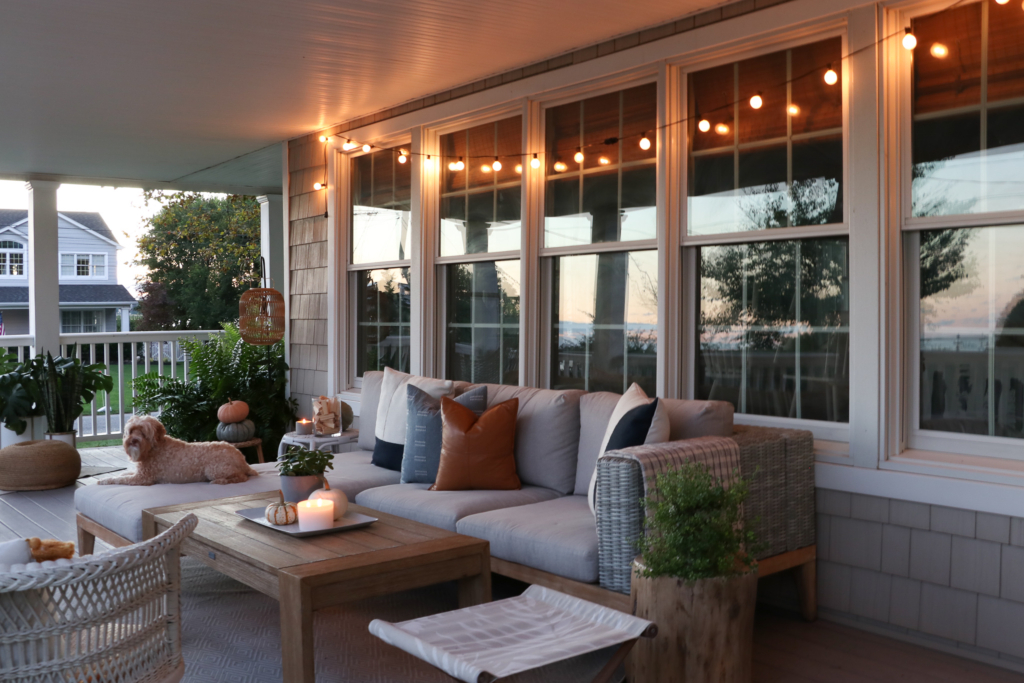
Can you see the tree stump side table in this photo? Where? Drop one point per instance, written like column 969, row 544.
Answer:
column 313, row 441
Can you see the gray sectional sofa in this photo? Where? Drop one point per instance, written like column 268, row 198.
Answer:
column 544, row 533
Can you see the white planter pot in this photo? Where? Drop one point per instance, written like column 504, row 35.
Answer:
column 35, row 431
column 66, row 437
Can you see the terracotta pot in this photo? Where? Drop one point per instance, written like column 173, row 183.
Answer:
column 296, row 489
column 39, row 465
column 705, row 629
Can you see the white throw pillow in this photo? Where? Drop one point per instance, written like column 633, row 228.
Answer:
column 393, row 406
column 636, row 426
column 15, row 552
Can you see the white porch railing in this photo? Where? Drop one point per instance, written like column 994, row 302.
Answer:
column 20, row 345
column 127, row 355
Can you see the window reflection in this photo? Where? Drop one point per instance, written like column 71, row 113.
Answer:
column 483, row 322
column 774, row 328
column 972, row 331
column 777, row 166
column 968, row 141
column 381, row 208
column 605, row 321
column 382, row 320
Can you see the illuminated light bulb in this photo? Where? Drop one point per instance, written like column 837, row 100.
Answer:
column 793, row 110
column 451, row 165
column 367, row 147
column 722, row 129
column 402, row 158
column 756, row 101
column 604, row 161
column 578, row 157
column 831, row 77
column 459, row 165
column 560, row 166
column 496, row 165
column 318, row 186
column 534, row 162
column 1002, row 2
column 909, row 40
column 348, row 145
column 939, row 50
column 645, row 143
column 485, row 168
column 519, row 168
column 324, row 138
column 704, row 126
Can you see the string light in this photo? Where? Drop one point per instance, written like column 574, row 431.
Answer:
column 939, row 50
column 604, row 161
column 519, row 168
column 319, row 186
column 722, row 129
column 831, row 77
column 909, row 40
column 367, row 147
column 496, row 165
column 793, row 110
column 704, row 126
column 560, row 166
column 578, row 157
column 534, row 162
column 756, row 101
column 1002, row 2
column 324, row 138
column 456, row 165
column 402, row 158
column 645, row 142
column 485, row 168
column 348, row 145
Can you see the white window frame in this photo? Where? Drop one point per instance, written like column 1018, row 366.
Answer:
column 98, row 315
column 92, row 265
column 831, row 437
column 7, row 251
column 913, row 448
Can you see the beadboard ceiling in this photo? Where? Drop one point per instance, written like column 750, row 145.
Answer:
column 199, row 91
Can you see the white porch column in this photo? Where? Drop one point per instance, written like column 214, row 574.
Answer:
column 126, row 319
column 43, row 266
column 272, row 237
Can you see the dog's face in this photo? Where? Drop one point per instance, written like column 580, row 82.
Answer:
column 141, row 433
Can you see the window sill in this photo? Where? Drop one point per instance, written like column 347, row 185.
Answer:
column 353, row 397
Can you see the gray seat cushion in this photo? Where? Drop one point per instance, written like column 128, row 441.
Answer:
column 444, row 509
column 557, row 536
column 119, row 508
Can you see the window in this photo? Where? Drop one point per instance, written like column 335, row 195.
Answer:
column 83, row 265
column 75, row 322
column 968, row 105
column 381, row 203
column 12, row 258
column 773, row 315
column 481, row 205
column 775, row 166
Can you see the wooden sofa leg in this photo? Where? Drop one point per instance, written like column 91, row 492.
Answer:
column 807, row 584
column 86, row 542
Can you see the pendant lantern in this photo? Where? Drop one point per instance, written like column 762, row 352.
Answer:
column 261, row 314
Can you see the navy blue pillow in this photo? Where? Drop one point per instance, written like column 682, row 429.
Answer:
column 632, row 429
column 387, row 455
column 423, row 432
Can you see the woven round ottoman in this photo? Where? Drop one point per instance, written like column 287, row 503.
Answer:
column 38, row 465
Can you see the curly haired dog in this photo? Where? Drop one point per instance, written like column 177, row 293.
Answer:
column 163, row 459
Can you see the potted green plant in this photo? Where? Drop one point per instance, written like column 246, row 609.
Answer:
column 302, row 471
column 21, row 416
column 695, row 579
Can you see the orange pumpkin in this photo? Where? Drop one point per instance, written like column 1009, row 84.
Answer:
column 233, row 411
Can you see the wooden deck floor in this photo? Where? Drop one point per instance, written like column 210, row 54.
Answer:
column 786, row 648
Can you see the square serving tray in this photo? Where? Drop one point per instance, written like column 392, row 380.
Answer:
column 351, row 520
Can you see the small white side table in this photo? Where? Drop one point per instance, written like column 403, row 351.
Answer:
column 312, row 441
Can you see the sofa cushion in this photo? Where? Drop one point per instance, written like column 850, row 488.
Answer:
column 444, row 509
column 547, row 434
column 119, row 508
column 557, row 536
column 687, row 420
column 423, row 432
column 392, row 411
column 369, row 398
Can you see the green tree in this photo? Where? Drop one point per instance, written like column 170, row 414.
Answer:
column 201, row 252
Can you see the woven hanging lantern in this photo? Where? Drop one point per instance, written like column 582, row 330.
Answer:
column 261, row 315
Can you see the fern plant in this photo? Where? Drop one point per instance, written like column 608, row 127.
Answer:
column 221, row 368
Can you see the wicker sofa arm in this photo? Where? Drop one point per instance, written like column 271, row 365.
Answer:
column 779, row 464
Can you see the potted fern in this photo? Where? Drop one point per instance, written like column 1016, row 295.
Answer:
column 696, row 579
column 302, row 472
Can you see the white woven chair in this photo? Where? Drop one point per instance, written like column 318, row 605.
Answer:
column 108, row 618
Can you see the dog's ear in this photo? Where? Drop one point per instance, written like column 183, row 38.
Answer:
column 158, row 430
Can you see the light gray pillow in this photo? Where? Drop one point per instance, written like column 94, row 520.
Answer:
column 423, row 439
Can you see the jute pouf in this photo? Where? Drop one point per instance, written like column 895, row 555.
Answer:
column 38, row 465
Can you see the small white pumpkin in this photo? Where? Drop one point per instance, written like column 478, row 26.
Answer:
column 338, row 497
column 282, row 513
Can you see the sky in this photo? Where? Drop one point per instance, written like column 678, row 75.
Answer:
column 122, row 208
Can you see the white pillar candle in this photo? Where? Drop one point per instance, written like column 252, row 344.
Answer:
column 303, row 427
column 316, row 514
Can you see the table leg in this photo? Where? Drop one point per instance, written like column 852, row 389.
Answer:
column 476, row 590
column 296, row 604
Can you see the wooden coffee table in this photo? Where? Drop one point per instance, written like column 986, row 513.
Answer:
column 307, row 574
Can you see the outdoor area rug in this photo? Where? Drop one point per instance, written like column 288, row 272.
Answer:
column 97, row 470
column 232, row 633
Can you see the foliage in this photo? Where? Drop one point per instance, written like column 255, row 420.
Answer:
column 201, row 252
column 222, row 368
column 695, row 529
column 300, row 462
column 56, row 387
column 942, row 259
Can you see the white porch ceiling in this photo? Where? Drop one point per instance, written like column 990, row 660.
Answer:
column 198, row 91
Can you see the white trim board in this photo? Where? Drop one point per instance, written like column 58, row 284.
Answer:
column 951, row 491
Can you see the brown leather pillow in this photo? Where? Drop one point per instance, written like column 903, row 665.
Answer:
column 477, row 453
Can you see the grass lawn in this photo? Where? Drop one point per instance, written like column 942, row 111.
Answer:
column 115, row 395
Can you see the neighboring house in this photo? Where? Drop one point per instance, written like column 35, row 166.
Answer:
column 90, row 297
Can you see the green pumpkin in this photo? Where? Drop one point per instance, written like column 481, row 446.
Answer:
column 236, row 431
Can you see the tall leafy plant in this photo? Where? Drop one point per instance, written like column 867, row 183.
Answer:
column 59, row 388
column 220, row 369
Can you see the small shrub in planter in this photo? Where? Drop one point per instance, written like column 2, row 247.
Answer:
column 302, row 471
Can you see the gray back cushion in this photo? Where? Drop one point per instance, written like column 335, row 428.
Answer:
column 547, row 434
column 368, row 409
column 688, row 420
